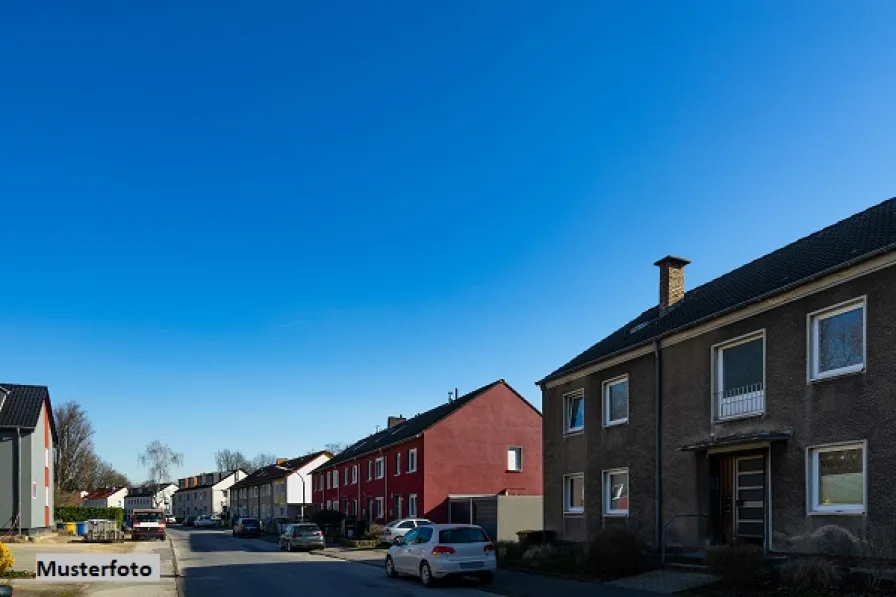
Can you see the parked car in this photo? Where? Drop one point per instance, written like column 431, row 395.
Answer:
column 247, row 527
column 305, row 535
column 434, row 552
column 400, row 528
column 204, row 522
column 148, row 523
column 189, row 520
column 171, row 520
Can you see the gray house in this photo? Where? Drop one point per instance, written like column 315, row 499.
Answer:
column 27, row 439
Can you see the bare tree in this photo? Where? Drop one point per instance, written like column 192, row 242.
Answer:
column 74, row 458
column 262, row 460
column 158, row 458
column 335, row 447
column 103, row 474
column 231, row 460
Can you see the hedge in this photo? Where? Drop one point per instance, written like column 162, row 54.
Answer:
column 82, row 513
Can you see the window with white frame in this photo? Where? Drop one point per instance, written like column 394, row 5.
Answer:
column 739, row 377
column 837, row 340
column 354, row 473
column 616, row 401
column 379, row 507
column 380, row 468
column 412, row 460
column 616, row 492
column 369, row 470
column 514, row 458
column 412, row 504
column 574, row 493
column 397, row 506
column 355, row 507
column 574, row 411
column 837, row 478
column 345, row 477
column 397, row 463
column 327, row 475
column 335, row 478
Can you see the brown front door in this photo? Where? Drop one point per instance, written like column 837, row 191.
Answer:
column 726, row 495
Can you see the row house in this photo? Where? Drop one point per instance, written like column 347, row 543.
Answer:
column 27, row 442
column 105, row 497
column 754, row 408
column 279, row 490
column 485, row 443
column 206, row 493
column 149, row 496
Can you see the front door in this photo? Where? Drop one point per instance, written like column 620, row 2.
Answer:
column 750, row 498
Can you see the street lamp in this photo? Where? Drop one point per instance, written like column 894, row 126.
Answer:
column 302, row 477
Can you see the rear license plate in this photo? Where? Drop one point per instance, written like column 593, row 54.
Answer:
column 470, row 565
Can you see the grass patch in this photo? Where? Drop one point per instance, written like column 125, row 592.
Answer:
column 60, row 591
column 14, row 574
column 359, row 543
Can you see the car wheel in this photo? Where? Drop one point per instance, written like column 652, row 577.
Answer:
column 486, row 578
column 390, row 568
column 426, row 575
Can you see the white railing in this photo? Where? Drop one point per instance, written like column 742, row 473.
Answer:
column 742, row 401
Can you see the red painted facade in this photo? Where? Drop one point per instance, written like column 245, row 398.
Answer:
column 466, row 453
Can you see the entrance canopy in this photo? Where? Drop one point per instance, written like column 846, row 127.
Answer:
column 738, row 440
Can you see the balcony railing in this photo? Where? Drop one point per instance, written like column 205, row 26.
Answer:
column 740, row 402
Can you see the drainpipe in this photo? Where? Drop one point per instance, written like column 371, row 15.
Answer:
column 385, row 486
column 657, row 454
column 19, row 456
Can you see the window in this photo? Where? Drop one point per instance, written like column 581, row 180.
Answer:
column 740, row 377
column 412, row 504
column 837, row 479
column 616, row 401
column 574, row 411
column 354, row 473
column 335, row 478
column 345, row 476
column 33, row 491
column 355, row 507
column 379, row 468
column 327, row 475
column 616, row 492
column 463, row 535
column 408, row 524
column 574, row 493
column 412, row 460
column 397, row 506
column 320, row 485
column 379, row 507
column 369, row 470
column 411, row 536
column 837, row 340
column 514, row 458
column 397, row 463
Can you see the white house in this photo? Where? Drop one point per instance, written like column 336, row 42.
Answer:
column 108, row 497
column 148, row 497
column 279, row 490
column 206, row 493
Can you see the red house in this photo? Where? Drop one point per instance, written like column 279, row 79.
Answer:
column 485, row 443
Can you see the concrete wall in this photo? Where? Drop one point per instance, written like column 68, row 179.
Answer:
column 519, row 513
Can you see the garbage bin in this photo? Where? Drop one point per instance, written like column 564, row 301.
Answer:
column 70, row 528
column 80, row 529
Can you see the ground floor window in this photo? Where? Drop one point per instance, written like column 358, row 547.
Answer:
column 379, row 507
column 616, row 492
column 412, row 504
column 837, row 478
column 574, row 493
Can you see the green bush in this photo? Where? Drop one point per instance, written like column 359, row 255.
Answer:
column 738, row 565
column 616, row 552
column 373, row 532
column 811, row 574
column 82, row 513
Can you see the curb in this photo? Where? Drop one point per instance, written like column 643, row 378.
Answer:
column 344, row 559
column 174, row 557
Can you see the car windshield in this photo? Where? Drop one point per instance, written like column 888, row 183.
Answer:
column 148, row 516
column 462, row 535
column 307, row 528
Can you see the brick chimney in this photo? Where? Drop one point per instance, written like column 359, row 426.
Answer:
column 394, row 421
column 281, row 460
column 671, row 280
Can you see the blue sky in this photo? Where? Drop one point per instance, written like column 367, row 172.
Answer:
column 269, row 228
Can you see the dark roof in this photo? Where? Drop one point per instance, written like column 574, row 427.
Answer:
column 850, row 241
column 213, row 483
column 21, row 408
column 101, row 494
column 138, row 492
column 413, row 426
column 776, row 435
column 268, row 473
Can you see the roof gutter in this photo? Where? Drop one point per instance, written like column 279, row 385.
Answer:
column 332, row 464
column 717, row 314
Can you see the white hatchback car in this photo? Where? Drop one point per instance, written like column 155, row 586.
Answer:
column 437, row 551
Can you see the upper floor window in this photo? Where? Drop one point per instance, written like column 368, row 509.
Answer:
column 345, row 477
column 354, row 473
column 514, row 458
column 574, row 411
column 369, row 470
column 837, row 478
column 837, row 340
column 412, row 460
column 335, row 478
column 740, row 377
column 397, row 463
column 616, row 401
column 380, row 468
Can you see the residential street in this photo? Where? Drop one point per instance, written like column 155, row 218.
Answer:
column 215, row 563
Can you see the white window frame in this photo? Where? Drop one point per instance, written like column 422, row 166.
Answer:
column 345, row 476
column 354, row 474
column 335, row 478
column 605, row 391
column 329, row 478
column 412, row 458
column 717, row 351
column 370, row 470
column 812, row 319
column 567, row 400
column 519, row 460
column 608, row 487
column 412, row 505
column 380, row 507
column 398, row 503
column 397, row 463
column 567, row 509
column 813, row 508
column 379, row 468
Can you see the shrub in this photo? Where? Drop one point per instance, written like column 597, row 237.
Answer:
column 616, row 552
column 739, row 564
column 82, row 513
column 509, row 553
column 373, row 532
column 6, row 561
column 537, row 554
column 811, row 574
column 328, row 518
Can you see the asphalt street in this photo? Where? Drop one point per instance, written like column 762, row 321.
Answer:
column 212, row 562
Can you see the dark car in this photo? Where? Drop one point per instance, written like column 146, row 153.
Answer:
column 189, row 520
column 247, row 527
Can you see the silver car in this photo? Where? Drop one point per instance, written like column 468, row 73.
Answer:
column 305, row 535
column 400, row 528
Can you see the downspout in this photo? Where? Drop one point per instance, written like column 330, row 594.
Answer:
column 385, row 486
column 19, row 456
column 657, row 454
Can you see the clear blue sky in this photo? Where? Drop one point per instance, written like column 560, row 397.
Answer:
column 269, row 227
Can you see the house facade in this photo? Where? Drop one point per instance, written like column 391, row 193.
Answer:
column 753, row 408
column 279, row 490
column 106, row 497
column 205, row 493
column 485, row 443
column 27, row 442
column 148, row 497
